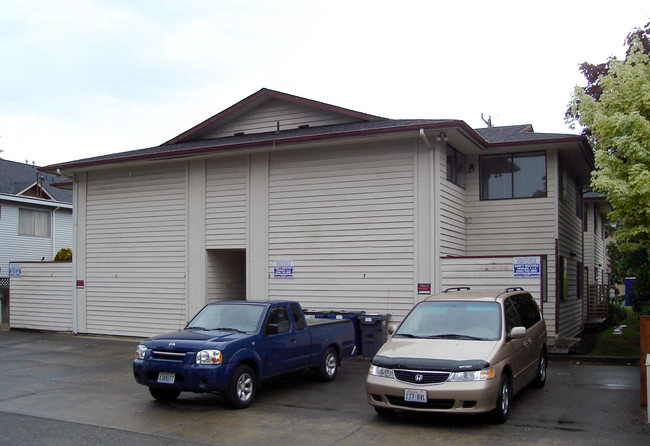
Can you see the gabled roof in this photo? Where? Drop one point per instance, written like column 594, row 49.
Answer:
column 26, row 180
column 201, row 139
column 255, row 100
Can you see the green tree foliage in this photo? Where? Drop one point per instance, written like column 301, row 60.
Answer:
column 614, row 109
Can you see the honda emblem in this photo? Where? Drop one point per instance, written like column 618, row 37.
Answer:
column 419, row 378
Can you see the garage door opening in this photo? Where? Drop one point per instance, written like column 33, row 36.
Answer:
column 226, row 274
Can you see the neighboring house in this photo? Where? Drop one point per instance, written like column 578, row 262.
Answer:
column 280, row 196
column 35, row 216
column 594, row 223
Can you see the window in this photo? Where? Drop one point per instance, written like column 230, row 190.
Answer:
column 520, row 175
column 455, row 167
column 34, row 223
column 527, row 309
column 563, row 278
column 578, row 192
column 279, row 320
column 512, row 319
column 297, row 316
column 562, row 181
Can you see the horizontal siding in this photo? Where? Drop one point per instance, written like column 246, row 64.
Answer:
column 265, row 119
column 346, row 220
column 453, row 214
column 41, row 298
column 226, row 202
column 19, row 248
column 136, row 250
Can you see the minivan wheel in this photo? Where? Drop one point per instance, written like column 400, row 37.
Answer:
column 504, row 397
column 540, row 378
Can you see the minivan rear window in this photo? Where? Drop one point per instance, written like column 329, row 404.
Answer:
column 453, row 320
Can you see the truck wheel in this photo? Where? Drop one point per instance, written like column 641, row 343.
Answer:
column 242, row 388
column 164, row 394
column 329, row 365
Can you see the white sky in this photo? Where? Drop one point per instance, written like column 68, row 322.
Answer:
column 81, row 78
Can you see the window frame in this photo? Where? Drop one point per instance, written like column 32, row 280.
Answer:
column 512, row 156
column 459, row 162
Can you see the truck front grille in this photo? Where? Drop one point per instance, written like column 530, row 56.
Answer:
column 168, row 355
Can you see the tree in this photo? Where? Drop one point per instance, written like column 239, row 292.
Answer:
column 614, row 109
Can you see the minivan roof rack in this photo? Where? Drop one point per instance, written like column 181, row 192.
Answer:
column 513, row 288
column 457, row 288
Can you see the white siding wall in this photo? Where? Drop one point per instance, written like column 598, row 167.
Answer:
column 265, row 118
column 18, row 247
column 226, row 275
column 136, row 250
column 570, row 247
column 345, row 217
column 41, row 298
column 226, row 202
column 453, row 227
column 487, row 274
column 518, row 227
column 63, row 230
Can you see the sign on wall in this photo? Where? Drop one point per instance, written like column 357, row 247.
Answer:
column 14, row 270
column 526, row 266
column 283, row 268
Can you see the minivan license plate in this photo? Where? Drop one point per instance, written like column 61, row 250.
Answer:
column 415, row 395
column 166, row 377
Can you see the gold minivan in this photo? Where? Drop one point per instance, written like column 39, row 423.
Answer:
column 461, row 351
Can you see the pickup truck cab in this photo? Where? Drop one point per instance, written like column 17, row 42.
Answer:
column 231, row 347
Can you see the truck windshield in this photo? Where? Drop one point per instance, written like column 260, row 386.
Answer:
column 453, row 320
column 228, row 317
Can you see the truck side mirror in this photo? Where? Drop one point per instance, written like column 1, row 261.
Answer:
column 391, row 328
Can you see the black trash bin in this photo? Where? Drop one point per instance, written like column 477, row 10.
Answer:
column 354, row 317
column 374, row 331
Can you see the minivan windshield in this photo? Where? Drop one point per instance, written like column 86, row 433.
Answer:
column 228, row 317
column 453, row 320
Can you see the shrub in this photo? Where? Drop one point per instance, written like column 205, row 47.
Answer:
column 64, row 255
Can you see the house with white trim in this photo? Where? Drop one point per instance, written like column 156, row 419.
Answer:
column 283, row 197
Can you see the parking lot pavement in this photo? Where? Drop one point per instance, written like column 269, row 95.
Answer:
column 64, row 389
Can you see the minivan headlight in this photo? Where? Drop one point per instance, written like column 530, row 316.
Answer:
column 474, row 375
column 209, row 357
column 381, row 371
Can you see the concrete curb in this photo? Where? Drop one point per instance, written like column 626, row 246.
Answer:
column 584, row 359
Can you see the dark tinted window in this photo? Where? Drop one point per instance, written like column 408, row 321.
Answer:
column 527, row 309
column 297, row 316
column 512, row 319
column 279, row 316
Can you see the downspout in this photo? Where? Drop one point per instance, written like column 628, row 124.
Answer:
column 54, row 231
column 75, row 255
column 425, row 139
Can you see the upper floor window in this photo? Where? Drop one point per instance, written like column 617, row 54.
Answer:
column 34, row 223
column 519, row 175
column 455, row 167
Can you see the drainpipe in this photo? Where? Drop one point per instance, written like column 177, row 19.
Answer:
column 425, row 139
column 54, row 231
column 75, row 254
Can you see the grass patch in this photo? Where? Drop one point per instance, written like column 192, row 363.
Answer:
column 624, row 344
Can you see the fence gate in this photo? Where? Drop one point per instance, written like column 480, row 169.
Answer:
column 597, row 302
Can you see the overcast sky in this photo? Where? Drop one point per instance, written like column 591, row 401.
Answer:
column 81, row 78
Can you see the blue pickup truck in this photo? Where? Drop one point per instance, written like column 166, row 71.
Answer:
column 231, row 347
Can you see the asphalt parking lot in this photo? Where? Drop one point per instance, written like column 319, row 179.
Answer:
column 59, row 389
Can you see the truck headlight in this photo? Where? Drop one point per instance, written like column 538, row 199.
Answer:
column 381, row 371
column 140, row 350
column 474, row 375
column 209, row 357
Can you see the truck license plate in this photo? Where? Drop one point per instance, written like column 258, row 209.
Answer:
column 166, row 377
column 415, row 395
